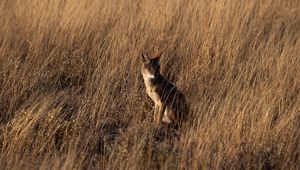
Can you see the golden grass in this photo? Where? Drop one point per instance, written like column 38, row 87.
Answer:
column 72, row 95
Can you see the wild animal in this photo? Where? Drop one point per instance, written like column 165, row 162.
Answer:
column 169, row 103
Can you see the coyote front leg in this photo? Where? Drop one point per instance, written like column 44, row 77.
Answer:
column 158, row 112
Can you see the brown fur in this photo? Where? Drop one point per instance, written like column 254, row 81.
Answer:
column 170, row 104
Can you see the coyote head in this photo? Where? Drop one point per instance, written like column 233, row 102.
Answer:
column 150, row 66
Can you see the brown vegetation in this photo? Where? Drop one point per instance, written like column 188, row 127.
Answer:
column 72, row 95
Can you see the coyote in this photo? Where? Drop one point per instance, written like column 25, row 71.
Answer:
column 169, row 101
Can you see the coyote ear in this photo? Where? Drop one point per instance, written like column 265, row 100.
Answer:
column 158, row 55
column 145, row 57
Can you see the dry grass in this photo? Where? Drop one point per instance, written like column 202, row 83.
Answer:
column 72, row 96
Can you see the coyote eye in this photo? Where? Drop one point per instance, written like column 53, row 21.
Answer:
column 148, row 67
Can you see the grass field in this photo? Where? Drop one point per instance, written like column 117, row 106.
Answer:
column 72, row 95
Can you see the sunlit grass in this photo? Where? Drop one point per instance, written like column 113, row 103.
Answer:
column 72, row 95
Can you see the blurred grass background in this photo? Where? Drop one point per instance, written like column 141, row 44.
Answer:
column 72, row 95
